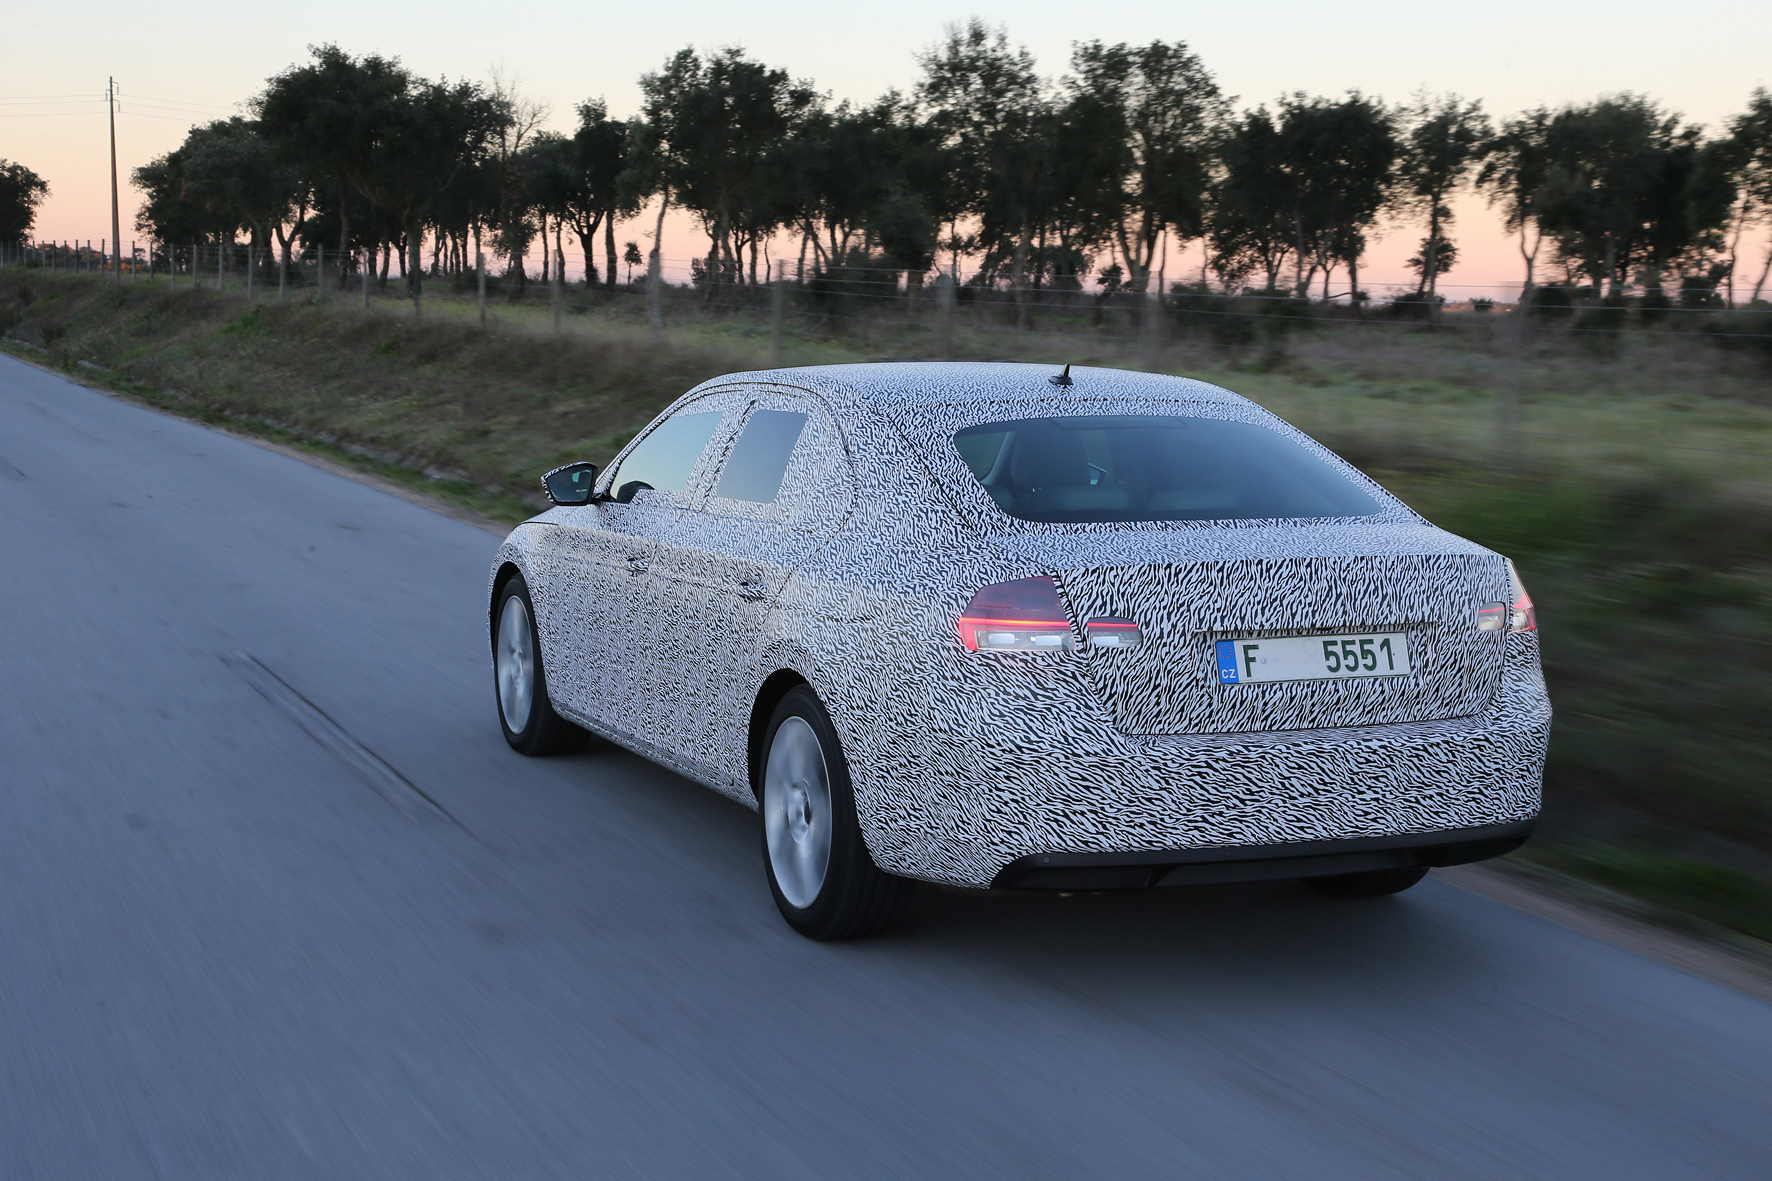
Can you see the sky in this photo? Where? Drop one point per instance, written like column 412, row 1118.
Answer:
column 185, row 61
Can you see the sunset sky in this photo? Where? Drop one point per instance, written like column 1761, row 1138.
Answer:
column 185, row 61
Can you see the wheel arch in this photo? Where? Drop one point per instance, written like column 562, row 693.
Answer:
column 775, row 686
column 506, row 571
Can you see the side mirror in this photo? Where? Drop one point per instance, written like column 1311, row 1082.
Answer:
column 571, row 484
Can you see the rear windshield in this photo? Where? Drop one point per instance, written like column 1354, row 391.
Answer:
column 1126, row 467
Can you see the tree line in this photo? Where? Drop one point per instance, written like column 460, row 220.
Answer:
column 1034, row 182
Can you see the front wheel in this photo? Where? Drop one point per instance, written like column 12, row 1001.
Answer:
column 1374, row 883
column 524, row 712
column 823, row 879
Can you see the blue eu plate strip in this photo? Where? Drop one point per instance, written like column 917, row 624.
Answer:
column 1227, row 662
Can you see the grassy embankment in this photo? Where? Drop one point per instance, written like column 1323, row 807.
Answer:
column 1638, row 502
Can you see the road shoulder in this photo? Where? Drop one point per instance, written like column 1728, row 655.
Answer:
column 1667, row 937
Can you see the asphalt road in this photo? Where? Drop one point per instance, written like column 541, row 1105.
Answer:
column 238, row 939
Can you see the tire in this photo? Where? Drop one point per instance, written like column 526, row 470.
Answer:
column 820, row 872
column 1374, row 883
column 520, row 684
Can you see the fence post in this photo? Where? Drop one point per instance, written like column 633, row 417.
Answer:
column 363, row 266
column 251, row 266
column 320, row 274
column 778, row 303
column 221, row 264
column 480, row 285
column 282, row 269
column 944, row 302
column 554, row 286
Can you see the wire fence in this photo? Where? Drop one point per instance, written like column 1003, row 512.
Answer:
column 932, row 315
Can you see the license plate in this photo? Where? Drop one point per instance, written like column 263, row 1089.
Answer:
column 1313, row 658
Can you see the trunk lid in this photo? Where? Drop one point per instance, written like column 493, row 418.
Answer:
column 1233, row 583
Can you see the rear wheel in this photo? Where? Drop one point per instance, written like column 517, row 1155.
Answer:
column 1371, row 884
column 524, row 712
column 823, row 879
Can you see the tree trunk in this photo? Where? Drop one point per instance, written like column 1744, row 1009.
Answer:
column 609, row 258
column 654, row 272
column 344, row 232
column 1022, row 242
column 1747, row 207
column 1431, row 255
column 1762, row 280
column 415, row 244
column 587, row 240
column 1298, row 286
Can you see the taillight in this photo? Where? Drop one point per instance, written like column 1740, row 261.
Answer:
column 1021, row 616
column 1521, row 617
column 1028, row 616
column 1120, row 634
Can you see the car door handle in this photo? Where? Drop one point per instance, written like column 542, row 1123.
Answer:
column 638, row 563
column 752, row 591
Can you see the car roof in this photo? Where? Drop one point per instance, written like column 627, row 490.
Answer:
column 891, row 385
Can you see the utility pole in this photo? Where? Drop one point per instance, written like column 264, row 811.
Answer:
column 116, row 232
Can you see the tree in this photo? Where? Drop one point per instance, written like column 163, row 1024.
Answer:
column 1515, row 167
column 423, row 139
column 1616, row 189
column 1445, row 140
column 1436, row 256
column 506, row 176
column 236, row 174
column 21, row 192
column 1749, row 155
column 986, row 107
column 870, row 177
column 1155, row 117
column 1249, row 226
column 600, row 161
column 1306, row 185
column 326, row 118
column 720, row 127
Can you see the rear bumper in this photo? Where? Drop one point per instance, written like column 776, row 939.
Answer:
column 975, row 791
column 1259, row 863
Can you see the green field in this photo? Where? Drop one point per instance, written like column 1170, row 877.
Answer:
column 1630, row 481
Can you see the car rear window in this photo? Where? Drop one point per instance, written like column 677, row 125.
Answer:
column 1153, row 468
column 663, row 459
column 759, row 459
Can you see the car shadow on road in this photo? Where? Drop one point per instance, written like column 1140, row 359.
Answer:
column 1270, row 931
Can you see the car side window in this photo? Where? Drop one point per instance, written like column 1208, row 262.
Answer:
column 663, row 461
column 787, row 464
column 759, row 459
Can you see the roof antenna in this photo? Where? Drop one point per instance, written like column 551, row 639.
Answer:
column 1063, row 378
